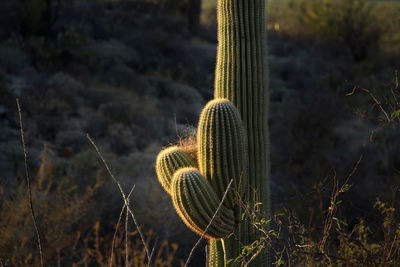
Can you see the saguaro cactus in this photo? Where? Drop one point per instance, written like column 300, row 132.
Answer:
column 232, row 138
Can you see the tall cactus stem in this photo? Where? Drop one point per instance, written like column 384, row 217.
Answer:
column 241, row 76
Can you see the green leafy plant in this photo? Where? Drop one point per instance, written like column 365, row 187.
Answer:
column 232, row 142
column 332, row 241
column 351, row 22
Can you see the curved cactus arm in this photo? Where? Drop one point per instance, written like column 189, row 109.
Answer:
column 168, row 162
column 196, row 202
column 222, row 149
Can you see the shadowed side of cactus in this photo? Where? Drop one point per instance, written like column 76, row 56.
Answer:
column 168, row 162
column 222, row 150
column 242, row 77
column 196, row 203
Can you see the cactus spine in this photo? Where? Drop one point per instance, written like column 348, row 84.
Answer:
column 232, row 138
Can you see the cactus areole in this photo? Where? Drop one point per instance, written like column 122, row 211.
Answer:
column 232, row 141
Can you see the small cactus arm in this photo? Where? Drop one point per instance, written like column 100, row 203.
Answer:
column 168, row 162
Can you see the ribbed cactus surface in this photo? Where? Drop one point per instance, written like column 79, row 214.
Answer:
column 196, row 203
column 241, row 77
column 222, row 150
column 216, row 254
column 168, row 162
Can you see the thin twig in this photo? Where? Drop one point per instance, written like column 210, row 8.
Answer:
column 126, row 236
column 212, row 219
column 122, row 193
column 152, row 252
column 260, row 248
column 117, row 226
column 336, row 191
column 29, row 186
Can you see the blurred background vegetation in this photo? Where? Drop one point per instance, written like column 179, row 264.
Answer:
column 134, row 74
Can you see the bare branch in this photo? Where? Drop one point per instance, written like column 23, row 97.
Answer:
column 29, row 185
column 123, row 195
column 117, row 226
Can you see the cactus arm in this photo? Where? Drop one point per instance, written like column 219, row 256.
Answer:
column 222, row 153
column 196, row 202
column 168, row 162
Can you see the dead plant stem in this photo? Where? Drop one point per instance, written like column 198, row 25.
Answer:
column 39, row 242
column 123, row 196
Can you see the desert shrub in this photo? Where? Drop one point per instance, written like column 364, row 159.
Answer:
column 209, row 13
column 75, row 221
column 328, row 237
column 61, row 209
column 111, row 52
column 351, row 22
column 53, row 104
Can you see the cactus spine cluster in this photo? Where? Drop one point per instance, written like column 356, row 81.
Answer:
column 232, row 139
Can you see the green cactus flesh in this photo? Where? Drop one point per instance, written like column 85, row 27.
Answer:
column 216, row 254
column 196, row 203
column 222, row 154
column 168, row 162
column 241, row 77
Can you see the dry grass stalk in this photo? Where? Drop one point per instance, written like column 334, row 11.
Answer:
column 116, row 228
column 29, row 186
column 123, row 196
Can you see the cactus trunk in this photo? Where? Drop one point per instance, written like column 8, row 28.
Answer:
column 241, row 76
